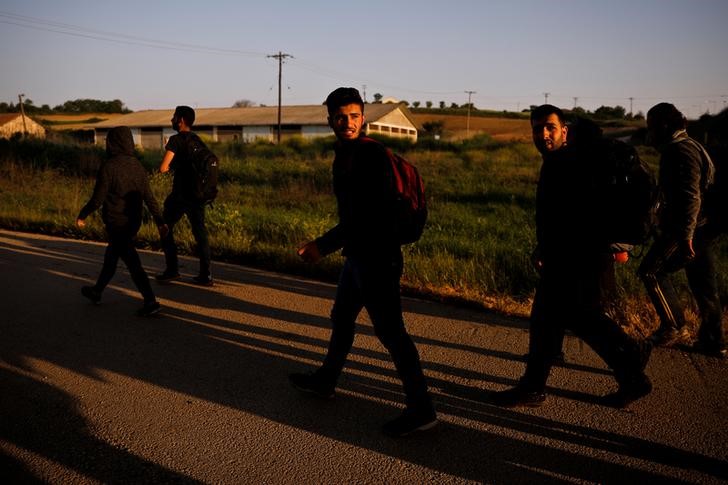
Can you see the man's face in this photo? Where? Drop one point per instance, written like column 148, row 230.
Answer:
column 549, row 134
column 655, row 132
column 347, row 122
column 175, row 122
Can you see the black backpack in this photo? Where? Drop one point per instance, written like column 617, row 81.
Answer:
column 627, row 191
column 205, row 168
column 410, row 201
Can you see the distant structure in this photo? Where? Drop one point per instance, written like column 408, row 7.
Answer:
column 151, row 129
column 15, row 123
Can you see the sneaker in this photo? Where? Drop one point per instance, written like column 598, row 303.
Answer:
column 516, row 397
column 167, row 276
column 628, row 393
column 666, row 336
column 708, row 349
column 309, row 384
column 91, row 293
column 410, row 422
column 202, row 280
column 149, row 309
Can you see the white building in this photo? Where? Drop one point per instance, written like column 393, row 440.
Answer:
column 152, row 128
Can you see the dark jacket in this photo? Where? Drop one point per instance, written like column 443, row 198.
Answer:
column 685, row 174
column 363, row 185
column 567, row 223
column 122, row 185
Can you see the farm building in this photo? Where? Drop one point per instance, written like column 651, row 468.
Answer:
column 152, row 128
column 16, row 123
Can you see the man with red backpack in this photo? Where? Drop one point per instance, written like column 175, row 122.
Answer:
column 364, row 182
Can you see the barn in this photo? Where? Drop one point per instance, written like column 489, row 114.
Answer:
column 16, row 123
column 152, row 128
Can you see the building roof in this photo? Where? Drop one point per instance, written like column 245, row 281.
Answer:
column 252, row 116
column 8, row 117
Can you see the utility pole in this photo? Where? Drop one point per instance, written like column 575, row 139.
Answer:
column 280, row 56
column 22, row 114
column 364, row 92
column 630, row 105
column 467, row 125
column 546, row 98
column 576, row 100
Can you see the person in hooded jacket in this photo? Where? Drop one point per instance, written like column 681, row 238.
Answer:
column 121, row 190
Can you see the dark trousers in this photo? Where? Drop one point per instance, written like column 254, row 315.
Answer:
column 665, row 258
column 374, row 285
column 121, row 246
column 174, row 208
column 578, row 295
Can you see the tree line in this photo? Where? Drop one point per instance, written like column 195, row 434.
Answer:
column 72, row 106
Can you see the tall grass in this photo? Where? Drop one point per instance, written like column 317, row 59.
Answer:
column 476, row 246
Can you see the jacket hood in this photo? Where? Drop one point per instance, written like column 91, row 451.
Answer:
column 119, row 141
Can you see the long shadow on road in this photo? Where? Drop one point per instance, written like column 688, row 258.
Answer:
column 243, row 366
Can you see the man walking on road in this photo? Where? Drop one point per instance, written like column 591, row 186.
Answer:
column 122, row 187
column 182, row 200
column 686, row 239
column 576, row 270
column 363, row 185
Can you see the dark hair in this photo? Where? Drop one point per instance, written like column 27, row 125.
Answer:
column 547, row 109
column 186, row 113
column 341, row 97
column 669, row 116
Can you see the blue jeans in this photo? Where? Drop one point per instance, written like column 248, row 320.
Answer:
column 174, row 208
column 374, row 285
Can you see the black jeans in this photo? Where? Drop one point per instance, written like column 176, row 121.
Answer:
column 662, row 260
column 374, row 285
column 121, row 246
column 175, row 207
column 578, row 295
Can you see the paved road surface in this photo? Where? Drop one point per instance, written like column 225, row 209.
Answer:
column 94, row 394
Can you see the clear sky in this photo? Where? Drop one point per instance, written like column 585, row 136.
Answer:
column 158, row 54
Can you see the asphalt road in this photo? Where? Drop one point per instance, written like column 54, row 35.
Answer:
column 94, row 394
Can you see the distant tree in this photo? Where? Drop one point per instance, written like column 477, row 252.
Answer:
column 639, row 116
column 579, row 111
column 378, row 97
column 434, row 127
column 404, row 102
column 92, row 106
column 608, row 112
column 416, row 104
column 243, row 103
column 428, row 104
column 442, row 104
column 454, row 105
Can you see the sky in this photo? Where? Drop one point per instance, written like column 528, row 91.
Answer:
column 509, row 54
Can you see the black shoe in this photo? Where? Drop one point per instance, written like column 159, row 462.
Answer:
column 409, row 422
column 516, row 397
column 667, row 336
column 149, row 309
column 202, row 280
column 309, row 384
column 628, row 393
column 167, row 276
column 644, row 350
column 709, row 349
column 91, row 293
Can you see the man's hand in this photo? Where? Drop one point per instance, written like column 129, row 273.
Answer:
column 80, row 223
column 309, row 252
column 687, row 249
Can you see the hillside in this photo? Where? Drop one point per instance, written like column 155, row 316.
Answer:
column 455, row 126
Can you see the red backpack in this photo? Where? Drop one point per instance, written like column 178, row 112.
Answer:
column 410, row 201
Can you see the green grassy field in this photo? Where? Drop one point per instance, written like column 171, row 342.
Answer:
column 475, row 248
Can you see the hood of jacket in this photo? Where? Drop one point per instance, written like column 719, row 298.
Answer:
column 119, row 141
